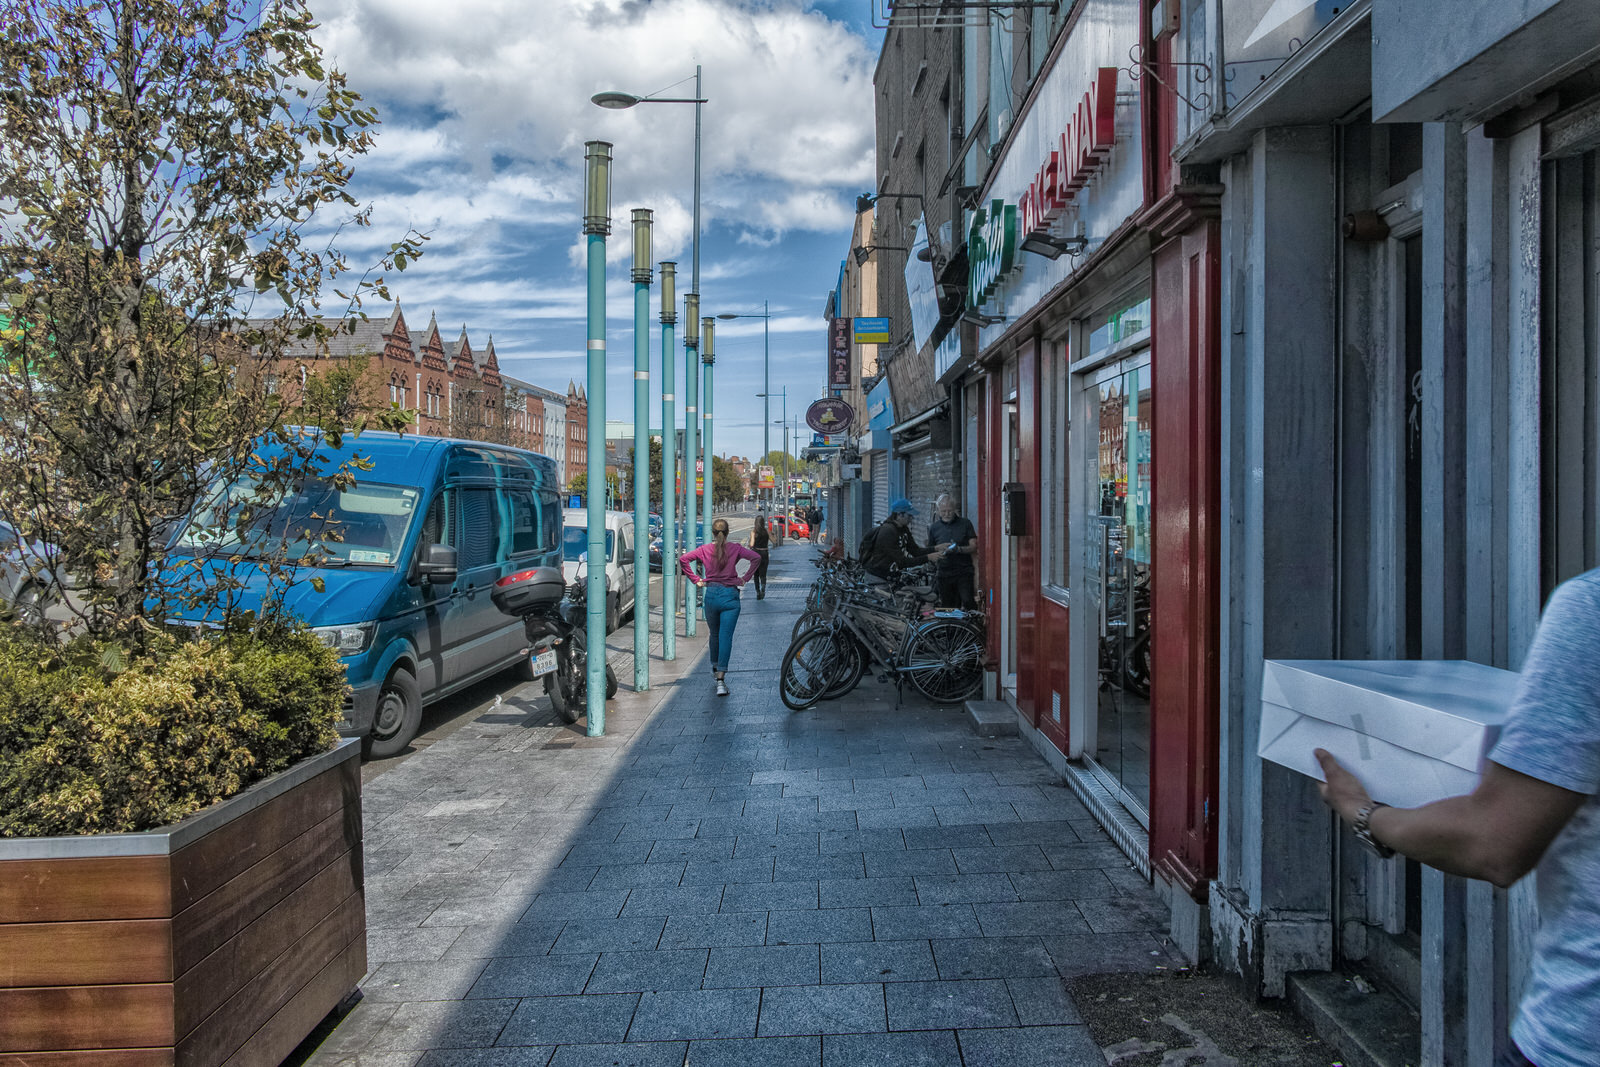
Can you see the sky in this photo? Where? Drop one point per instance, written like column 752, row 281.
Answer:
column 486, row 107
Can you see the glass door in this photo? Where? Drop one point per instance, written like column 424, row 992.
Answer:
column 1117, row 571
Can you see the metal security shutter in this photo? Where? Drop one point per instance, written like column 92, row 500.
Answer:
column 880, row 487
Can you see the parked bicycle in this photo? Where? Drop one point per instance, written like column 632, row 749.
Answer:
column 941, row 653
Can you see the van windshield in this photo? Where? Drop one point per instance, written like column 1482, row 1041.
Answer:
column 575, row 542
column 311, row 524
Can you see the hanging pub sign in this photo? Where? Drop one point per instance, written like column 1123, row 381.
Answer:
column 839, row 351
column 830, row 415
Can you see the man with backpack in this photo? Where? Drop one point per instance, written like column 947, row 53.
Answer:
column 890, row 547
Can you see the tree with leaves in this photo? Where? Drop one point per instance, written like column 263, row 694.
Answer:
column 161, row 164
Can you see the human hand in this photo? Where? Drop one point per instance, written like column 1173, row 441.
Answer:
column 1342, row 791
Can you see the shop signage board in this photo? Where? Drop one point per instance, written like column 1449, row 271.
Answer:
column 1081, row 136
column 830, row 415
column 866, row 330
column 827, row 440
column 838, row 351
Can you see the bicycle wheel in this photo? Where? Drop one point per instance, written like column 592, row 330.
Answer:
column 852, row 664
column 945, row 660
column 808, row 618
column 810, row 668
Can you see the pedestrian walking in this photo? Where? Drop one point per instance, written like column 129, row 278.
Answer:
column 718, row 574
column 1537, row 804
column 761, row 542
column 956, row 535
column 815, row 520
column 890, row 546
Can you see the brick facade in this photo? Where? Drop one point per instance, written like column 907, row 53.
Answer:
column 454, row 389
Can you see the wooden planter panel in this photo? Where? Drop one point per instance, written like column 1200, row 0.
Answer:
column 223, row 939
column 98, row 887
column 86, row 953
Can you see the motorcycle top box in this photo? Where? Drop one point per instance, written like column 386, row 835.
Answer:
column 529, row 591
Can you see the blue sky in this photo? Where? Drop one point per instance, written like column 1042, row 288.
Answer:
column 485, row 105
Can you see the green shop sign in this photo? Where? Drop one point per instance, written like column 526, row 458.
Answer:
column 992, row 250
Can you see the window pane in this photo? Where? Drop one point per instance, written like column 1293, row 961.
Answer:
column 478, row 543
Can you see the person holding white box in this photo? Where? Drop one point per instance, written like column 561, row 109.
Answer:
column 1537, row 804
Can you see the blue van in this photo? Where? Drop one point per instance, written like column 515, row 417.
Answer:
column 422, row 536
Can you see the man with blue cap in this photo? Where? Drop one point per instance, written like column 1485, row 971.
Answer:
column 890, row 546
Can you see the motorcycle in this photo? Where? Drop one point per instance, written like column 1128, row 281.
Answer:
column 554, row 617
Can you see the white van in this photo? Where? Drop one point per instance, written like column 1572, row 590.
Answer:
column 619, row 558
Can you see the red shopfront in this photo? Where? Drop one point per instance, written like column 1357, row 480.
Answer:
column 1096, row 411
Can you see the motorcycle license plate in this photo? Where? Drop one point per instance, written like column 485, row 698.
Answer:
column 544, row 663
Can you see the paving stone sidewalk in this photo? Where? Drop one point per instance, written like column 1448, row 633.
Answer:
column 724, row 881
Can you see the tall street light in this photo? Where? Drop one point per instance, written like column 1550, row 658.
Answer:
column 784, row 392
column 641, row 449
column 766, row 374
column 669, row 465
column 708, row 357
column 596, row 225
column 617, row 100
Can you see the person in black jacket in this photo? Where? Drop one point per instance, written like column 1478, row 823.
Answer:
column 891, row 546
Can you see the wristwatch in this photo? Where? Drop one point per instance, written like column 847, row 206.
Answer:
column 1363, row 828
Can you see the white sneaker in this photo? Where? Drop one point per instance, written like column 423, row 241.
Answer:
column 722, row 688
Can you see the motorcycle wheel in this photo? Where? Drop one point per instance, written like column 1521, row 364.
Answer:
column 564, row 686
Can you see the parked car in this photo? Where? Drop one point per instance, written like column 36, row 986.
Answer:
column 788, row 526
column 656, row 544
column 401, row 591
column 619, row 558
column 30, row 580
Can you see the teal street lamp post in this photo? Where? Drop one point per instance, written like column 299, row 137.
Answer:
column 596, row 225
column 616, row 100
column 784, row 422
column 708, row 359
column 766, row 376
column 691, row 442
column 641, row 449
column 669, row 464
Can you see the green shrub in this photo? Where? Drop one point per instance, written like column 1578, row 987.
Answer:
column 86, row 747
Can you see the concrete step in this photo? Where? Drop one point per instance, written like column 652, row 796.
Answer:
column 992, row 718
column 1367, row 1024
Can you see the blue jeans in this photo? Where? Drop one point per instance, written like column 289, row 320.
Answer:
column 722, row 615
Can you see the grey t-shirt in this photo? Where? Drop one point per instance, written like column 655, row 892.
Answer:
column 1552, row 733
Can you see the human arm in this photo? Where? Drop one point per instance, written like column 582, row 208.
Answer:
column 686, row 560
column 1497, row 832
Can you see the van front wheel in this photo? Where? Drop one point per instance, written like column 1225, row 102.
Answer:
column 398, row 716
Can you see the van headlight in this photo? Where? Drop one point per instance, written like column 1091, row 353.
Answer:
column 347, row 640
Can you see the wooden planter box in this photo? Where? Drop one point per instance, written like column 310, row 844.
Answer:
column 224, row 938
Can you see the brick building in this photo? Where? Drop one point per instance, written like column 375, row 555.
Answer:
column 455, row 389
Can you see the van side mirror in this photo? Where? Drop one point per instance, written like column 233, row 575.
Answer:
column 437, row 564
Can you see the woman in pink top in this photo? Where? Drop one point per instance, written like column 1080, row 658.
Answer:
column 717, row 573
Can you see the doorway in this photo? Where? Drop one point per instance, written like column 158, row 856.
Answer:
column 1119, row 405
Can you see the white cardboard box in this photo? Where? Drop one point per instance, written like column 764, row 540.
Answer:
column 1413, row 731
